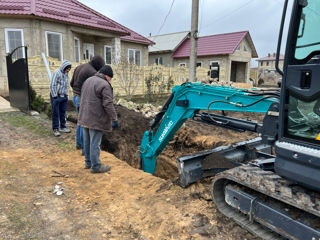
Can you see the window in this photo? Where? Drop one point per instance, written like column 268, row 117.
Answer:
column 107, row 54
column 214, row 62
column 134, row 56
column 182, row 64
column 238, row 48
column 261, row 64
column 308, row 34
column 199, row 64
column 54, row 45
column 77, row 49
column 88, row 51
column 267, row 63
column 245, row 49
column 14, row 39
column 158, row 61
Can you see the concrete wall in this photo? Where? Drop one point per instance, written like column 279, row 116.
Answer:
column 167, row 60
column 205, row 63
column 34, row 37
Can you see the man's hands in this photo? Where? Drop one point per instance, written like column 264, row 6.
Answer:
column 115, row 124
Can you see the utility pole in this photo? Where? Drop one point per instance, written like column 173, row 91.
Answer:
column 193, row 40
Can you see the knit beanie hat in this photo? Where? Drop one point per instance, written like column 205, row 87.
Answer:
column 106, row 70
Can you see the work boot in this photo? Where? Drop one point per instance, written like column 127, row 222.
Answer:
column 65, row 130
column 56, row 133
column 101, row 169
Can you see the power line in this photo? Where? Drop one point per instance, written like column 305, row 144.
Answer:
column 230, row 13
column 165, row 19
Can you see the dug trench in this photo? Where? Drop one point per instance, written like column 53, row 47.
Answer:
column 192, row 137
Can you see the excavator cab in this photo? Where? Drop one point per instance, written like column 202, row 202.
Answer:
column 298, row 147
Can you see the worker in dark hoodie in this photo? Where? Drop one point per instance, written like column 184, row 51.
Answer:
column 80, row 75
column 59, row 87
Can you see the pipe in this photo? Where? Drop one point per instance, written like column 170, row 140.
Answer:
column 46, row 64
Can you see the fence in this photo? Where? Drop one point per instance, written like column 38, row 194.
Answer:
column 124, row 75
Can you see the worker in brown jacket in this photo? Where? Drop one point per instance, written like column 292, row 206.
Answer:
column 97, row 114
column 80, row 75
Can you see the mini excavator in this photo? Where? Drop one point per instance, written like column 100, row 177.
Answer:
column 273, row 190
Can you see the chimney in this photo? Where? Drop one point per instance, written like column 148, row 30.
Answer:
column 274, row 54
column 149, row 34
column 269, row 55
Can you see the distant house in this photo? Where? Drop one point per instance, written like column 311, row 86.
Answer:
column 161, row 52
column 232, row 51
column 267, row 74
column 269, row 62
column 65, row 29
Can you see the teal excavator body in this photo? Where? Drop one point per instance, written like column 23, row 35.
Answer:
column 186, row 101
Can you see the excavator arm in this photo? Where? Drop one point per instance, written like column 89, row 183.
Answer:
column 187, row 100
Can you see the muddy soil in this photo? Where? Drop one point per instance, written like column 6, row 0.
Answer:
column 125, row 203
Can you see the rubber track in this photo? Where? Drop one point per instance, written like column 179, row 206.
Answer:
column 267, row 183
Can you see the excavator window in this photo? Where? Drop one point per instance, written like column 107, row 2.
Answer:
column 302, row 119
column 308, row 39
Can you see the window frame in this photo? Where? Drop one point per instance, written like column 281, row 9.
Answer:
column 212, row 61
column 182, row 64
column 79, row 43
column 201, row 63
column 47, row 46
column 6, row 37
column 134, row 56
column 157, row 61
column 104, row 51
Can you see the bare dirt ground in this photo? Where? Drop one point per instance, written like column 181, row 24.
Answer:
column 125, row 203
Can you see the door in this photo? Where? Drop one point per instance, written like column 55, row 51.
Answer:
column 298, row 148
column 18, row 78
column 88, row 51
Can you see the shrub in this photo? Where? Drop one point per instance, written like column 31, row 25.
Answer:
column 37, row 102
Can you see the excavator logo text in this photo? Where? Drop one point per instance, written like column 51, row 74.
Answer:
column 166, row 129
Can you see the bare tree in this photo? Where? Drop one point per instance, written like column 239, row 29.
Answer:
column 128, row 77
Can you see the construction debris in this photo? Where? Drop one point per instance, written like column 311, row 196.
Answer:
column 148, row 110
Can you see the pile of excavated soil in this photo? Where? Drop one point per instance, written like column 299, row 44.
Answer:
column 191, row 138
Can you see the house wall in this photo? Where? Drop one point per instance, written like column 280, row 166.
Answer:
column 167, row 60
column 205, row 63
column 34, row 38
column 241, row 56
column 125, row 46
column 271, row 64
column 225, row 62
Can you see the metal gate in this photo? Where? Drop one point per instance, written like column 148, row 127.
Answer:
column 18, row 78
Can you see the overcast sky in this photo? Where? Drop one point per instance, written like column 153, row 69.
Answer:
column 260, row 17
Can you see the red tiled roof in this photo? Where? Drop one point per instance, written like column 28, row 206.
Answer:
column 271, row 58
column 69, row 11
column 220, row 44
